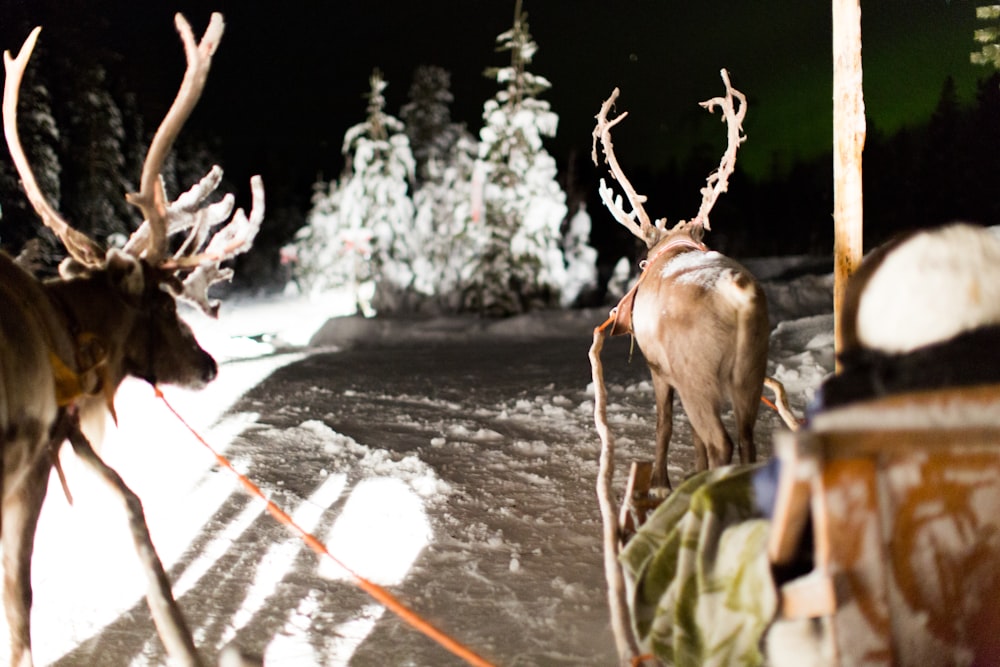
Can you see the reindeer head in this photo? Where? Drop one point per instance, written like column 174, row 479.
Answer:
column 126, row 314
column 121, row 303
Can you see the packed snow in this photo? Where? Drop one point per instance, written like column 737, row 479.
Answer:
column 451, row 459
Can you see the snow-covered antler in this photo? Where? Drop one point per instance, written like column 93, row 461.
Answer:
column 233, row 239
column 151, row 199
column 644, row 229
column 199, row 253
column 718, row 181
column 189, row 213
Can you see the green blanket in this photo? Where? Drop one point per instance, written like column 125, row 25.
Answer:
column 702, row 589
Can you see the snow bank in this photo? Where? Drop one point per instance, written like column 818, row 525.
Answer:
column 356, row 331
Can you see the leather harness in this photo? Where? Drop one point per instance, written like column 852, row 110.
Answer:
column 621, row 315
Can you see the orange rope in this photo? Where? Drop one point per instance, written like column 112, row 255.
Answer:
column 608, row 322
column 769, row 403
column 379, row 593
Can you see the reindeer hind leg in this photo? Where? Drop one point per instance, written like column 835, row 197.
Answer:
column 713, row 446
column 745, row 407
column 746, row 382
column 664, row 393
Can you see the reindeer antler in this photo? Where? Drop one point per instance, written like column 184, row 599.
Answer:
column 718, row 181
column 151, row 199
column 645, row 230
column 189, row 213
column 233, row 239
column 77, row 244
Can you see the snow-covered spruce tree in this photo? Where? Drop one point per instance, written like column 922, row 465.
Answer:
column 444, row 231
column 376, row 198
column 361, row 230
column 989, row 37
column 450, row 240
column 94, row 192
column 327, row 254
column 427, row 118
column 581, row 258
column 521, row 266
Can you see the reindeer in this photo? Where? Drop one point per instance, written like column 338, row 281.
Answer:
column 69, row 342
column 699, row 318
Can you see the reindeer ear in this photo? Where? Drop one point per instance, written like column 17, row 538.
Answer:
column 172, row 285
column 125, row 271
column 697, row 232
column 70, row 268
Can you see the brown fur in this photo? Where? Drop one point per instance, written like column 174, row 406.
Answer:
column 703, row 329
column 49, row 336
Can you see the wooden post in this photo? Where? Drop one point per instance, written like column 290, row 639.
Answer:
column 621, row 626
column 848, row 145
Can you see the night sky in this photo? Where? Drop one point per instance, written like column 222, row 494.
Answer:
column 290, row 77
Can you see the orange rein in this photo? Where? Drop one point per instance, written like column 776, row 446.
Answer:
column 379, row 593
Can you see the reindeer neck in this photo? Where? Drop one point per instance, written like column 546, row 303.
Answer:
column 93, row 348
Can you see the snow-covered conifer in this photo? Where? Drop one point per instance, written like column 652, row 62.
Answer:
column 356, row 234
column 328, row 255
column 521, row 266
column 93, row 196
column 581, row 258
column 359, row 234
column 376, row 198
column 444, row 230
column 449, row 237
column 427, row 117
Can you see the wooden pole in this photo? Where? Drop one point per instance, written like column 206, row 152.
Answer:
column 848, row 145
column 621, row 626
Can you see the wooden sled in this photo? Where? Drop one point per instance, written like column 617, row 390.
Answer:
column 901, row 497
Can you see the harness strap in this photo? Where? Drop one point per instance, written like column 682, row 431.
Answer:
column 90, row 376
column 621, row 315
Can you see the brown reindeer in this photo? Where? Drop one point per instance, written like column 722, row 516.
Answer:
column 699, row 317
column 67, row 344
